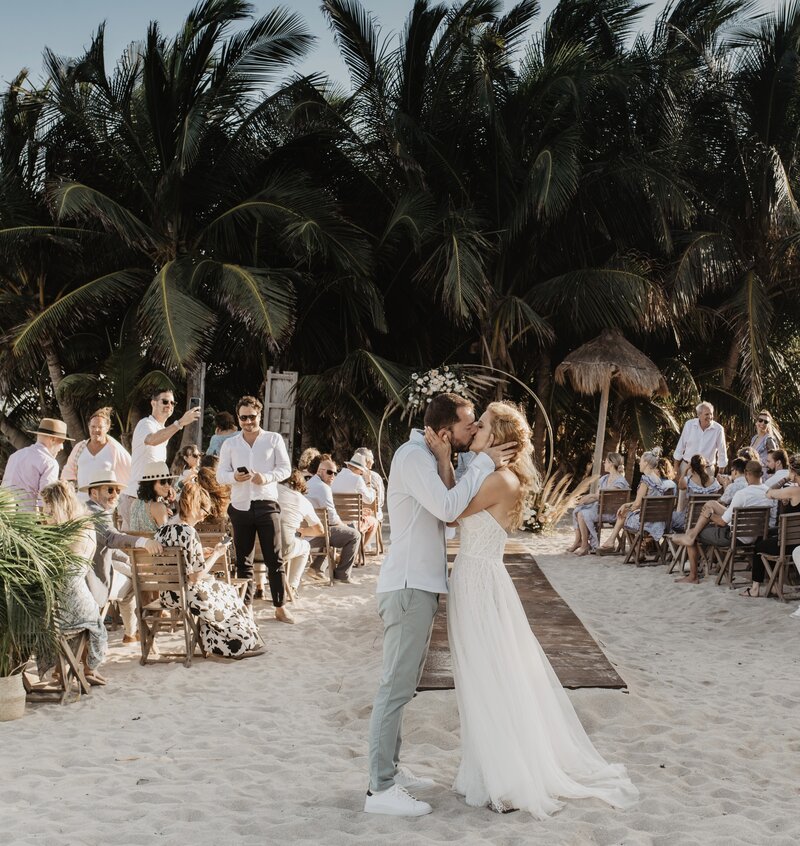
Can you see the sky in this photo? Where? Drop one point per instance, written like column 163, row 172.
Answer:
column 66, row 26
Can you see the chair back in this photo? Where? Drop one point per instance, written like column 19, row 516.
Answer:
column 222, row 566
column 750, row 523
column 789, row 530
column 701, row 498
column 215, row 526
column 657, row 509
column 694, row 509
column 156, row 573
column 610, row 501
column 349, row 507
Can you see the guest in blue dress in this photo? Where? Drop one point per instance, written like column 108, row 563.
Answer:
column 696, row 481
column 585, row 513
column 656, row 480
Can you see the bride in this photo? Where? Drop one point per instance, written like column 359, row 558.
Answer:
column 522, row 743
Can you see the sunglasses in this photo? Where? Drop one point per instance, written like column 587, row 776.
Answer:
column 763, row 420
column 247, row 417
column 111, row 491
column 167, row 402
column 194, row 454
column 330, row 472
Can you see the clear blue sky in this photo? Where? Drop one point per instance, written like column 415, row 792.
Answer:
column 66, row 27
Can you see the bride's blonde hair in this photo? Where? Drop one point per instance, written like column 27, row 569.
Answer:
column 510, row 426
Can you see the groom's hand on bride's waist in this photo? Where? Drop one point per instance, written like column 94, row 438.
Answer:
column 502, row 454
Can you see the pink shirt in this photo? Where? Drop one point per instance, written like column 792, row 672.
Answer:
column 28, row 471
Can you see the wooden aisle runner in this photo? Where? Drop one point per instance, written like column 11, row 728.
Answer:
column 576, row 658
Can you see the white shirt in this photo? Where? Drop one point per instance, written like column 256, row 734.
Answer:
column 320, row 495
column 753, row 496
column 348, row 482
column 113, row 456
column 772, row 480
column 267, row 456
column 710, row 443
column 420, row 504
column 295, row 508
column 142, row 454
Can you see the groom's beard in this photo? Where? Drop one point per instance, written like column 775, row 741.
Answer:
column 462, row 447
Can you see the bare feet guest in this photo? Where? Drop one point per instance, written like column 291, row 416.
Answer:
column 585, row 513
column 100, row 452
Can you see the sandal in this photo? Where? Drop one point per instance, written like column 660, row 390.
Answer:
column 607, row 550
column 748, row 592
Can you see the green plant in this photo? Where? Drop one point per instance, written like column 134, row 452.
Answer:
column 36, row 561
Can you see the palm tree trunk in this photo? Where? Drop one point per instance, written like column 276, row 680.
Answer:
column 195, row 387
column 631, row 445
column 69, row 414
column 16, row 437
column 731, row 364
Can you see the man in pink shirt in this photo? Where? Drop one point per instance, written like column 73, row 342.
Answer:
column 33, row 468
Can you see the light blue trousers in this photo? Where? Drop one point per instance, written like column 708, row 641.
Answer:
column 407, row 616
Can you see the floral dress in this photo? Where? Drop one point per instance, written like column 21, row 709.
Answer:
column 140, row 520
column 656, row 486
column 589, row 511
column 679, row 517
column 226, row 628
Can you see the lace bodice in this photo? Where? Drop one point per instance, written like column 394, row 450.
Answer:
column 482, row 537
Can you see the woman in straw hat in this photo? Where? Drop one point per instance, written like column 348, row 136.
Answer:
column 149, row 510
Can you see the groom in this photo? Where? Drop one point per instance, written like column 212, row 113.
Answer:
column 412, row 576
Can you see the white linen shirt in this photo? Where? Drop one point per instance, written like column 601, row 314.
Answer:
column 143, row 454
column 348, row 482
column 295, row 508
column 753, row 496
column 773, row 480
column 710, row 443
column 419, row 505
column 267, row 456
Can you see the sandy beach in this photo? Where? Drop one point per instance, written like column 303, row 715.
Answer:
column 274, row 748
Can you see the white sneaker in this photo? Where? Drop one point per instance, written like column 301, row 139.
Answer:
column 397, row 802
column 405, row 778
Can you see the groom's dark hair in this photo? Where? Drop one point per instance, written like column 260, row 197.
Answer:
column 442, row 410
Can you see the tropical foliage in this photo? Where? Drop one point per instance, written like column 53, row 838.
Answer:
column 491, row 188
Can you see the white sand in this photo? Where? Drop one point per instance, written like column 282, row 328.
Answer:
column 274, row 747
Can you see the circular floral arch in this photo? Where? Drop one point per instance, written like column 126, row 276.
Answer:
column 489, row 371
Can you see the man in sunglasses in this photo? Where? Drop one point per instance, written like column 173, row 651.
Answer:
column 149, row 444
column 252, row 462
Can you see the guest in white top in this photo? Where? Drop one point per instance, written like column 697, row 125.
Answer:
column 701, row 436
column 149, row 443
column 297, row 517
column 777, row 468
column 100, row 453
column 355, row 477
column 377, row 482
column 252, row 462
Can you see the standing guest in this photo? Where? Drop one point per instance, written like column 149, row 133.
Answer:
column 150, row 509
column 697, row 481
column 766, row 438
column 110, row 577
column 297, row 516
column 186, row 464
column 777, row 468
column 355, row 477
column 701, row 436
column 220, row 494
column 99, row 453
column 252, row 462
column 226, row 628
column 790, row 497
column 226, row 428
column 77, row 607
column 656, row 481
column 150, row 443
column 31, row 469
column 343, row 537
column 308, row 462
column 585, row 514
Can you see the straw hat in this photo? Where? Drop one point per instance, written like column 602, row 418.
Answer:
column 155, row 471
column 101, row 479
column 358, row 460
column 51, row 426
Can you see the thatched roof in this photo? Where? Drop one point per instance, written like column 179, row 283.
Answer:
column 611, row 358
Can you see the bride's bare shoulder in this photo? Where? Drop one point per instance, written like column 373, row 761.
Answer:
column 506, row 480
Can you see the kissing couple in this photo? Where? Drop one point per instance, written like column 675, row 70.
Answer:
column 523, row 746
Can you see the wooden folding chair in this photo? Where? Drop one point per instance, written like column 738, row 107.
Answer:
column 778, row 566
column 747, row 523
column 72, row 649
column 158, row 573
column 655, row 509
column 322, row 513
column 224, row 567
column 677, row 553
column 350, row 508
column 609, row 503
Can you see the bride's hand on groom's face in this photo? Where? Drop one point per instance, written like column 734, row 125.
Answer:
column 438, row 445
column 501, row 454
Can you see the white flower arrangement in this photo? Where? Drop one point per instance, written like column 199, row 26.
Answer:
column 425, row 386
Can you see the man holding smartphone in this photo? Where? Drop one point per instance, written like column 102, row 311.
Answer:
column 252, row 462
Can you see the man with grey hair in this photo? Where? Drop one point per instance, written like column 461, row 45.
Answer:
column 375, row 479
column 701, row 435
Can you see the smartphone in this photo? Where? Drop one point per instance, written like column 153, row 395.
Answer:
column 226, row 539
column 242, row 470
column 194, row 402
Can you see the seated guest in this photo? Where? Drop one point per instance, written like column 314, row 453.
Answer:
column 308, row 457
column 735, row 482
column 31, row 469
column 789, row 495
column 584, row 515
column 101, row 452
column 225, row 625
column 656, row 481
column 719, row 533
column 186, row 464
column 749, row 454
column 226, row 428
column 110, row 575
column 353, row 478
column 149, row 511
column 78, row 609
column 777, row 468
column 220, row 494
column 377, row 482
column 696, row 481
column 343, row 537
column 297, row 517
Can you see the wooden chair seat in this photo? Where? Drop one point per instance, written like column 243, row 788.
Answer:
column 746, row 523
column 778, row 566
column 655, row 509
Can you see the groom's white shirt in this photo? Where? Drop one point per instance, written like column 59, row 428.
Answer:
column 419, row 506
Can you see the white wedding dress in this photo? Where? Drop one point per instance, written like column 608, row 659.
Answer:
column 522, row 743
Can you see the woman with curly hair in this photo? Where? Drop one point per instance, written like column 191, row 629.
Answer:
column 523, row 746
column 220, row 494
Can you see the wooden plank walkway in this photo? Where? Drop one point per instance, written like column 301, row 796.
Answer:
column 576, row 658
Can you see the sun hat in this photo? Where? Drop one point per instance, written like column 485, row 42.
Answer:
column 155, row 471
column 101, row 479
column 51, row 426
column 358, row 460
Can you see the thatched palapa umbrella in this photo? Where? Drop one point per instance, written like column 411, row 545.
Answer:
column 610, row 358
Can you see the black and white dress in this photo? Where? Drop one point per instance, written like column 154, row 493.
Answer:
column 226, row 628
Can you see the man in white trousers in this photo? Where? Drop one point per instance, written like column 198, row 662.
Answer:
column 412, row 576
